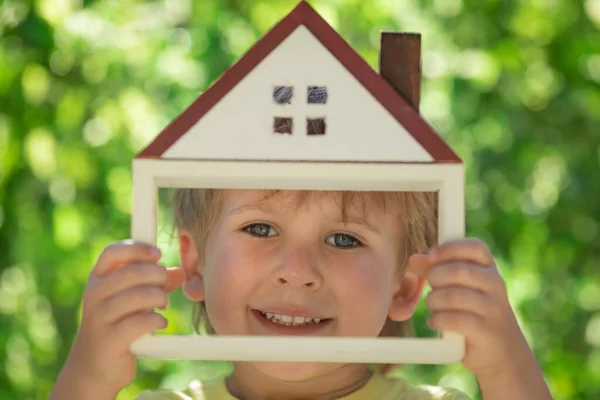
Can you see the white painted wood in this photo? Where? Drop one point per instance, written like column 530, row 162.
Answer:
column 240, row 126
column 451, row 203
column 448, row 179
column 300, row 349
column 297, row 175
column 145, row 205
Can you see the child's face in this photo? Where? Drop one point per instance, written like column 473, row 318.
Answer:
column 275, row 268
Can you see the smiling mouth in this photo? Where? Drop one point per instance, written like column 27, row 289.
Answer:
column 289, row 320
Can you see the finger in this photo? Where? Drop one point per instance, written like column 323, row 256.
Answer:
column 136, row 326
column 130, row 276
column 459, row 299
column 472, row 250
column 176, row 276
column 139, row 299
column 465, row 323
column 468, row 276
column 420, row 264
column 126, row 252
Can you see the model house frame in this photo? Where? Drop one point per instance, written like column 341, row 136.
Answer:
column 301, row 110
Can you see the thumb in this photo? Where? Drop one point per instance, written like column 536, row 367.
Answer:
column 176, row 278
column 419, row 264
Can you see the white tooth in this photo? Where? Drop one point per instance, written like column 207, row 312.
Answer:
column 291, row 320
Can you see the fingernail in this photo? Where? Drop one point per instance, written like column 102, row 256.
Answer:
column 155, row 251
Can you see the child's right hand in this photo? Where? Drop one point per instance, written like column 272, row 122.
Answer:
column 123, row 290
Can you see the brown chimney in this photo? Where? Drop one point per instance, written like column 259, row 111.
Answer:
column 400, row 64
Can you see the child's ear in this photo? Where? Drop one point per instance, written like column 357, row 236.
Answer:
column 407, row 296
column 193, row 286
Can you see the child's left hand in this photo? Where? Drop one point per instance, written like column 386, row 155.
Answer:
column 469, row 297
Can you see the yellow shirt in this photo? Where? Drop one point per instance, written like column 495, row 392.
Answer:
column 378, row 388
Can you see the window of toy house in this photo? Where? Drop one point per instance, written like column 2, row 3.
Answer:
column 284, row 96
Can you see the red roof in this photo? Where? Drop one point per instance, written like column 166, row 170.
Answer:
column 305, row 15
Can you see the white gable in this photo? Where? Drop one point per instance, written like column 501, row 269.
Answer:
column 240, row 126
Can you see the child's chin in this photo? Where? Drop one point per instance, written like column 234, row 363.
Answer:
column 295, row 371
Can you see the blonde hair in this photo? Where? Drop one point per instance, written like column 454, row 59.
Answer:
column 196, row 210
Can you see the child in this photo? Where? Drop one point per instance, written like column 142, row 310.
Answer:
column 302, row 263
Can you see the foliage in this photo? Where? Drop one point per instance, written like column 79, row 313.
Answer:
column 513, row 86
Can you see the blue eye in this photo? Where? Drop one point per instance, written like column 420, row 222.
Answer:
column 260, row 230
column 343, row 241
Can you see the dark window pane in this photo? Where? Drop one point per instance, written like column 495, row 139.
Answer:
column 317, row 95
column 283, row 94
column 282, row 125
column 315, row 126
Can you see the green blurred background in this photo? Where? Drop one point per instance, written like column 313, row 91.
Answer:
column 513, row 86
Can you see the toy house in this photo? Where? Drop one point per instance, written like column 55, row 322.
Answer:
column 302, row 110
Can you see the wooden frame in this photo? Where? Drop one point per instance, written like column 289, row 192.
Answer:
column 446, row 179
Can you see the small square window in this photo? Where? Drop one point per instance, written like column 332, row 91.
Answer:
column 315, row 126
column 317, row 95
column 283, row 94
column 283, row 125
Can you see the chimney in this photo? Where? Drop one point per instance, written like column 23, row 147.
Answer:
column 400, row 64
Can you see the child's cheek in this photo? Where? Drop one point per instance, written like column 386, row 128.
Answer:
column 363, row 289
column 230, row 280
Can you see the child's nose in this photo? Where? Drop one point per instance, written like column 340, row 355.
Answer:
column 299, row 268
